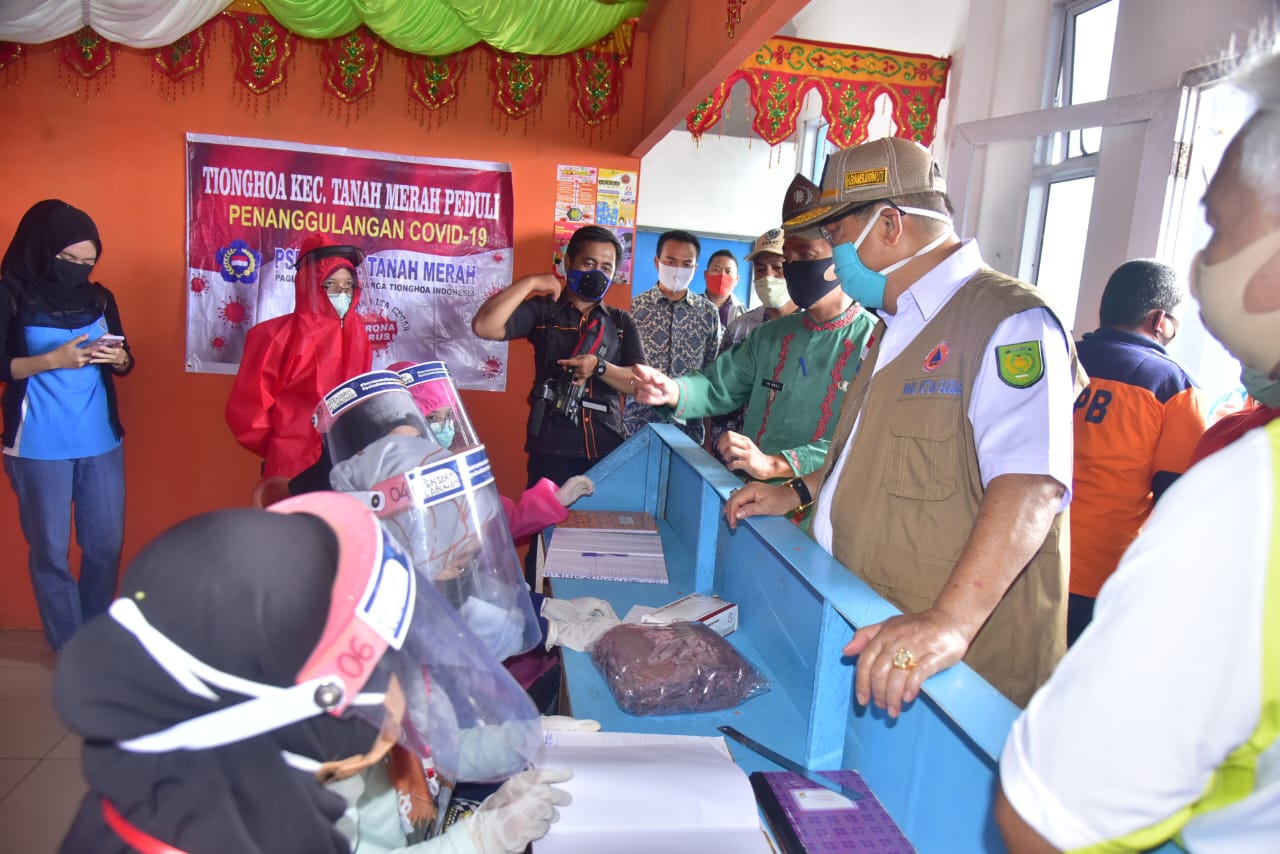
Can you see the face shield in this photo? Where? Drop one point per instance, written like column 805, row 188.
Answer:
column 317, row 263
column 443, row 508
column 449, row 516
column 372, row 429
column 437, row 398
column 392, row 652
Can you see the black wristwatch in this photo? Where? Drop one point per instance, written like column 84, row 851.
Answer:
column 601, row 365
column 802, row 491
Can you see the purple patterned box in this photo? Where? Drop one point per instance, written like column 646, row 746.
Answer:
column 808, row 819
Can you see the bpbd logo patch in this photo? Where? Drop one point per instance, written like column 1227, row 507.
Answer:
column 937, row 357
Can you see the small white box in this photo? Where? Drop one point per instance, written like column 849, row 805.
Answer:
column 715, row 613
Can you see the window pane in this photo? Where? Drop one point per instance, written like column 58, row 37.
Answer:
column 1095, row 37
column 1094, row 43
column 821, row 148
column 1066, row 225
column 882, row 123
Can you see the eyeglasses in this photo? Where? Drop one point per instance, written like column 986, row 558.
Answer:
column 439, row 420
column 338, row 288
column 832, row 234
column 86, row 262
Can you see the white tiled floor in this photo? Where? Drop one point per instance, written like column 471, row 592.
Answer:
column 40, row 782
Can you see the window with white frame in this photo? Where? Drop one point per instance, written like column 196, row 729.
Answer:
column 814, row 145
column 1061, row 195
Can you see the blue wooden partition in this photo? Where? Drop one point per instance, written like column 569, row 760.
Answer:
column 934, row 768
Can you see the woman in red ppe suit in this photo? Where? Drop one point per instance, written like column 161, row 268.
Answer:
column 290, row 361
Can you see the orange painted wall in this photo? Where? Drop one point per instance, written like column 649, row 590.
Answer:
column 119, row 154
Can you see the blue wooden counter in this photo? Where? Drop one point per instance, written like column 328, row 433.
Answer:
column 934, row 768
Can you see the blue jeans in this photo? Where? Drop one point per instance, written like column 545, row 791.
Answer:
column 47, row 491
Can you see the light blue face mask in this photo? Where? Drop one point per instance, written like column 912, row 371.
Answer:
column 443, row 431
column 866, row 285
column 1261, row 387
column 341, row 303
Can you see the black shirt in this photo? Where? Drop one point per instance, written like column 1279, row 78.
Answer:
column 558, row 330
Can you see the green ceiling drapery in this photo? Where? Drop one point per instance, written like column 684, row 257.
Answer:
column 442, row 27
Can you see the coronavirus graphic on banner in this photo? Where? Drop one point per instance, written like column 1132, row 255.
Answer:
column 437, row 235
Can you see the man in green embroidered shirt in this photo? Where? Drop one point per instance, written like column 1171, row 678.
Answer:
column 791, row 372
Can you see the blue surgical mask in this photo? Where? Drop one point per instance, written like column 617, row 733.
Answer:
column 341, row 303
column 866, row 285
column 444, row 432
column 1261, row 387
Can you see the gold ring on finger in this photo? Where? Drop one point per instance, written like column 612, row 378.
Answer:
column 903, row 659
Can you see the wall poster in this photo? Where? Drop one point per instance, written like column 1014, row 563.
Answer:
column 437, row 234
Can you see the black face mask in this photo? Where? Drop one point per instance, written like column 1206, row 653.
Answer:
column 810, row 281
column 69, row 274
column 588, row 284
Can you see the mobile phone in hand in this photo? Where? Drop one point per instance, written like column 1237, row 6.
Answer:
column 109, row 341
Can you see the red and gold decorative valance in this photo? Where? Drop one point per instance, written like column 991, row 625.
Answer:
column 596, row 79
column 263, row 50
column 85, row 52
column 848, row 78
column 185, row 56
column 518, row 82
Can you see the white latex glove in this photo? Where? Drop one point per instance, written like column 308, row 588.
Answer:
column 574, row 488
column 564, row 723
column 519, row 812
column 577, row 623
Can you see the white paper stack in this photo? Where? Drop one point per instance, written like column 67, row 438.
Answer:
column 637, row 793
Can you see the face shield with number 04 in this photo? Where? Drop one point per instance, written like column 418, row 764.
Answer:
column 444, row 509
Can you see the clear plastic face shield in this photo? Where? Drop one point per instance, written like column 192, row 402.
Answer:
column 444, row 508
column 438, row 400
column 328, row 266
column 449, row 516
column 392, row 652
column 373, row 429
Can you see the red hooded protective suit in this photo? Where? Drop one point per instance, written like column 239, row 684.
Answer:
column 291, row 361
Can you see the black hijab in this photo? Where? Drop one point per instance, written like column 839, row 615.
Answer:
column 247, row 592
column 45, row 230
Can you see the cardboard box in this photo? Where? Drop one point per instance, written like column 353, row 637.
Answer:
column 717, row 614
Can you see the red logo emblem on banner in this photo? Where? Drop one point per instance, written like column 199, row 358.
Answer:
column 381, row 330
column 937, row 356
column 235, row 312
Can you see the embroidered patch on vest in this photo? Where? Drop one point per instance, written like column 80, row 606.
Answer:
column 937, row 357
column 1020, row 365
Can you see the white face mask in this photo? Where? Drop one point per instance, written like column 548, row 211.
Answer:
column 341, row 303
column 1252, row 338
column 675, row 278
column 772, row 291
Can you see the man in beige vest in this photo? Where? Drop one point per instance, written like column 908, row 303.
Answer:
column 949, row 473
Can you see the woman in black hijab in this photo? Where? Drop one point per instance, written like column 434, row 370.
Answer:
column 206, row 697
column 62, row 344
column 246, row 592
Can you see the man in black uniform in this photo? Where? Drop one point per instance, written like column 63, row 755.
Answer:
column 575, row 338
